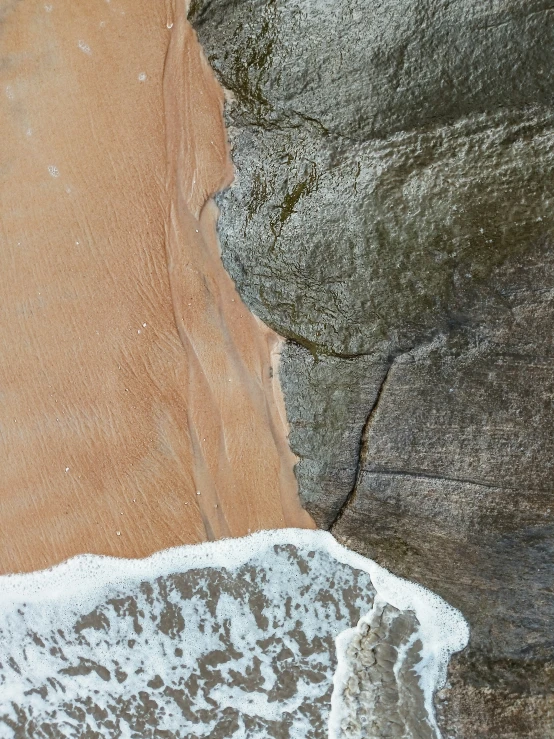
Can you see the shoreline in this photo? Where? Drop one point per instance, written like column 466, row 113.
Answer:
column 88, row 592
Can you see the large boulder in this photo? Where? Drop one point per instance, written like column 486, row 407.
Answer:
column 392, row 216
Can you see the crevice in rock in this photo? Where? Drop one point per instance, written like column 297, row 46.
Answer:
column 387, row 354
column 363, row 442
column 317, row 350
column 441, row 478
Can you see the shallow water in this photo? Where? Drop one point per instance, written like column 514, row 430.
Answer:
column 230, row 639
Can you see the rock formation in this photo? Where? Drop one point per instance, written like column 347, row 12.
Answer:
column 392, row 217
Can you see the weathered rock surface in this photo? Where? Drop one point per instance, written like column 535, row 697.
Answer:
column 326, row 417
column 392, row 216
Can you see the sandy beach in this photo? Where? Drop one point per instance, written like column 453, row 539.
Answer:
column 140, row 400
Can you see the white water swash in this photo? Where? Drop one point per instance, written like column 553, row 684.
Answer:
column 246, row 637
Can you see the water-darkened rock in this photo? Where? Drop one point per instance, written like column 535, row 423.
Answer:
column 392, row 216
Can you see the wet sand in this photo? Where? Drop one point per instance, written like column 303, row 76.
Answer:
column 132, row 377
column 279, row 634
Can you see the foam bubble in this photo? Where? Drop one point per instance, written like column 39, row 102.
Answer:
column 85, row 48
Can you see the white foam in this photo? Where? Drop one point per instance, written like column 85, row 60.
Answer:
column 443, row 631
column 79, row 583
column 85, row 48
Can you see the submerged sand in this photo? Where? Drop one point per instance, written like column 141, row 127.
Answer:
column 232, row 638
column 140, row 407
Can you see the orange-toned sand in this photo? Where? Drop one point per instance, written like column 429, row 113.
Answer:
column 132, row 377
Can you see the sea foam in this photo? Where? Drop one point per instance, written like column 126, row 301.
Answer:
column 234, row 638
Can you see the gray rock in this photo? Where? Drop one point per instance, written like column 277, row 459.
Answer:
column 392, row 216
column 327, row 415
column 455, row 490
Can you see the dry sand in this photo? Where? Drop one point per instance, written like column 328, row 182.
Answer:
column 132, row 377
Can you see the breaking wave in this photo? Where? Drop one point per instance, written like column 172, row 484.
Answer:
column 279, row 634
